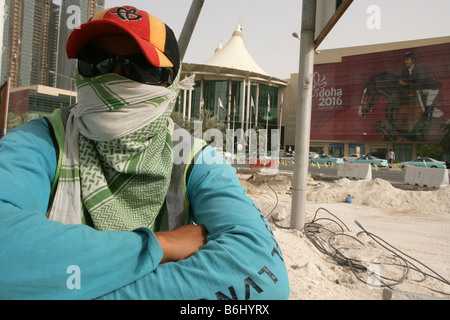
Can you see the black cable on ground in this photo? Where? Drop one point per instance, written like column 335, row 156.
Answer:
column 322, row 238
column 403, row 262
column 269, row 216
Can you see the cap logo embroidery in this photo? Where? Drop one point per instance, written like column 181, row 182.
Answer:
column 127, row 14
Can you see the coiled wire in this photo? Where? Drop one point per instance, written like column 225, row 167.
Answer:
column 323, row 233
column 324, row 237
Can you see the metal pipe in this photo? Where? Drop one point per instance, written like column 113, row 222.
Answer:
column 189, row 26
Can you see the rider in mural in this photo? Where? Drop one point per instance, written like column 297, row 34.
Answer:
column 417, row 78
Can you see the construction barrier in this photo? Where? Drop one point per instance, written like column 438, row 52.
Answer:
column 426, row 177
column 411, row 175
column 359, row 171
column 266, row 166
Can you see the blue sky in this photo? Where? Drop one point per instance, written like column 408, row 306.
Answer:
column 268, row 26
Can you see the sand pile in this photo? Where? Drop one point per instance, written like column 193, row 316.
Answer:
column 406, row 246
column 377, row 193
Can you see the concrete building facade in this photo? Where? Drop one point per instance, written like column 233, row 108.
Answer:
column 343, row 123
column 73, row 13
column 29, row 44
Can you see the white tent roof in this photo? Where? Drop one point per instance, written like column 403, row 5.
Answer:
column 235, row 55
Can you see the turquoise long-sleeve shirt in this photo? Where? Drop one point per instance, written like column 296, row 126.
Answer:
column 42, row 259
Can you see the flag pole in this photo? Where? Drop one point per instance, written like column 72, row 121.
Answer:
column 267, row 122
column 279, row 127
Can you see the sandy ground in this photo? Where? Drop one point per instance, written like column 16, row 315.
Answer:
column 389, row 243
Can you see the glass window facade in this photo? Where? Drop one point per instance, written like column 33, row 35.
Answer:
column 31, row 101
column 45, row 104
column 267, row 106
column 215, row 96
column 228, row 100
column 403, row 152
column 72, row 12
column 29, row 40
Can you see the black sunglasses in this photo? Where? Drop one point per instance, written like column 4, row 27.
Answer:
column 94, row 62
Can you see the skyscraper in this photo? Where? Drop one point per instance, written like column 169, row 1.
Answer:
column 29, row 47
column 73, row 13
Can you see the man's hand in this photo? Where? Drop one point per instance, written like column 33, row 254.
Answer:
column 182, row 242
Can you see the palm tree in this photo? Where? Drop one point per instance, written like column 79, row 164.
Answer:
column 208, row 121
column 177, row 117
column 211, row 121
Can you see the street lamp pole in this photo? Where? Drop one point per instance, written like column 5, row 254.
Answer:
column 303, row 116
column 365, row 134
column 64, row 76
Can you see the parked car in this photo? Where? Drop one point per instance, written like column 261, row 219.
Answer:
column 424, row 162
column 447, row 164
column 326, row 159
column 351, row 157
column 371, row 160
column 381, row 155
column 313, row 155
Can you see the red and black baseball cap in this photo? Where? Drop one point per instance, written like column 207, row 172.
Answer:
column 156, row 40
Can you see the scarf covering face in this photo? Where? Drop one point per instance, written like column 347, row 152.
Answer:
column 117, row 159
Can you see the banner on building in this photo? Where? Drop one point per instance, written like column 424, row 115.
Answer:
column 398, row 95
column 4, row 105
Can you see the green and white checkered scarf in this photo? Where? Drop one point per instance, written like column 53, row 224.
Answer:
column 117, row 158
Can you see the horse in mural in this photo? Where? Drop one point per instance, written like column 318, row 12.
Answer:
column 405, row 113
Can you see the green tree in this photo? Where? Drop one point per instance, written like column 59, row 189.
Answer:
column 430, row 151
column 445, row 142
column 208, row 120
column 177, row 117
column 15, row 120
